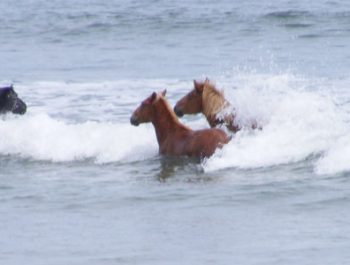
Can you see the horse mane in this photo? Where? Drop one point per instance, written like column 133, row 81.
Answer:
column 170, row 111
column 213, row 100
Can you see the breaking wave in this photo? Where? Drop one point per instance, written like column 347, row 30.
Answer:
column 300, row 118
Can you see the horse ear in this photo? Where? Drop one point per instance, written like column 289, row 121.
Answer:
column 198, row 86
column 153, row 97
column 207, row 80
column 163, row 93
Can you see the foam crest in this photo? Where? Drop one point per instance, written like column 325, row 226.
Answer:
column 41, row 137
column 297, row 123
column 336, row 159
column 301, row 118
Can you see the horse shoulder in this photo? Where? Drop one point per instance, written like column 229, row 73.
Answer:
column 175, row 142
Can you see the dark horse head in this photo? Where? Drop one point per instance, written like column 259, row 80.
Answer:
column 10, row 102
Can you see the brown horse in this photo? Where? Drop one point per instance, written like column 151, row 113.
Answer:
column 211, row 102
column 173, row 137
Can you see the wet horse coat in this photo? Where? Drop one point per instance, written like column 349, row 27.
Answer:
column 173, row 137
column 10, row 102
column 205, row 98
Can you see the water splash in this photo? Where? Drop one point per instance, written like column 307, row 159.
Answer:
column 300, row 117
column 297, row 123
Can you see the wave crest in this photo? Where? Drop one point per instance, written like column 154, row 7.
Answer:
column 41, row 137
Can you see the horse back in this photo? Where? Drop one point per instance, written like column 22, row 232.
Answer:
column 203, row 143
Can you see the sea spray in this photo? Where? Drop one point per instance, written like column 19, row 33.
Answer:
column 296, row 123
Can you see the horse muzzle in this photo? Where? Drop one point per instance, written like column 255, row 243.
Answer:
column 134, row 121
column 178, row 112
column 19, row 107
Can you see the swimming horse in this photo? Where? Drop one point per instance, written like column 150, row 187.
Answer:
column 10, row 102
column 174, row 138
column 205, row 98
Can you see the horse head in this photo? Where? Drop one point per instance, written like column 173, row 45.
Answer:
column 144, row 112
column 10, row 102
column 192, row 102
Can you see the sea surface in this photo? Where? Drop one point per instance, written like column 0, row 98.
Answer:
column 80, row 185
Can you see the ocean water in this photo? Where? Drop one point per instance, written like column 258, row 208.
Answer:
column 80, row 185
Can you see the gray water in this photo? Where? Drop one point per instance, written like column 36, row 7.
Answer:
column 80, row 185
column 184, row 39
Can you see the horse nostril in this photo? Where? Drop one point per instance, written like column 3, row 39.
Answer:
column 178, row 112
column 133, row 121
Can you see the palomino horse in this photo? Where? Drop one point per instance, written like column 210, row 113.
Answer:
column 173, row 137
column 10, row 102
column 211, row 102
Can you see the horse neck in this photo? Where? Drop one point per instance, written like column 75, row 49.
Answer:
column 3, row 103
column 165, row 121
column 212, row 102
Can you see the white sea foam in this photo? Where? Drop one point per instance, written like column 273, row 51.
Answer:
column 76, row 121
column 297, row 123
column 69, row 121
column 336, row 159
column 103, row 101
column 41, row 137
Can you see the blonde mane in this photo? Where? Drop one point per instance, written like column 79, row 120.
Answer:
column 213, row 100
